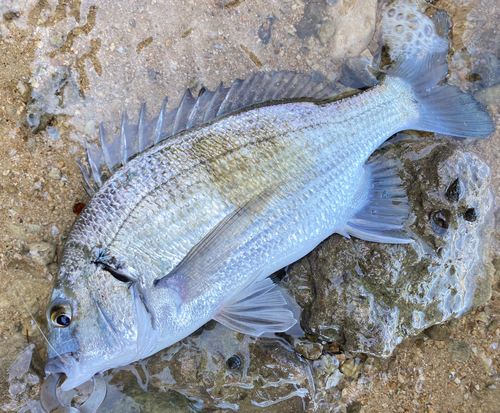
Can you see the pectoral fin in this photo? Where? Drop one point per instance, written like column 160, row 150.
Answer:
column 214, row 249
column 257, row 309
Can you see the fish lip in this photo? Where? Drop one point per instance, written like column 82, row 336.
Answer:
column 60, row 364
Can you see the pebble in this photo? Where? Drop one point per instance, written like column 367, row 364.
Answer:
column 334, row 379
column 493, row 326
column 459, row 350
column 57, row 41
column 371, row 366
column 307, row 26
column 21, row 87
column 438, row 333
column 326, row 31
column 18, row 231
column 351, row 367
column 43, row 252
column 488, row 96
column 311, row 351
column 34, row 228
column 11, row 111
column 11, row 15
column 60, row 165
column 90, row 127
column 481, row 316
column 54, row 174
column 53, row 268
column 483, row 358
column 53, row 132
column 318, row 77
column 355, row 73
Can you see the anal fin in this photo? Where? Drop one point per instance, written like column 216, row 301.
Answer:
column 257, row 309
column 382, row 217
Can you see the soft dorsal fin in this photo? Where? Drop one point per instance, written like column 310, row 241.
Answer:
column 132, row 139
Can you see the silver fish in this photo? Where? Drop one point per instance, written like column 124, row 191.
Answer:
column 190, row 229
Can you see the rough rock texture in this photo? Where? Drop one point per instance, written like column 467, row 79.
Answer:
column 368, row 296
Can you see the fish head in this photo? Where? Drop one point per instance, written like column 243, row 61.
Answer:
column 92, row 320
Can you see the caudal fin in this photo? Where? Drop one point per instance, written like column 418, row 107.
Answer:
column 419, row 46
column 442, row 109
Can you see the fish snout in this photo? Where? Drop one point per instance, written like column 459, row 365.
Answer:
column 59, row 364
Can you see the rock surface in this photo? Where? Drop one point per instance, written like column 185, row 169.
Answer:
column 367, row 296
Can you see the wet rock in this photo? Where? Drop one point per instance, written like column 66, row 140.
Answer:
column 43, row 252
column 489, row 96
column 326, row 31
column 459, row 350
column 368, row 296
column 221, row 370
column 311, row 20
column 355, row 74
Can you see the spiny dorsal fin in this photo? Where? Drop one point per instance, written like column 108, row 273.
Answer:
column 192, row 112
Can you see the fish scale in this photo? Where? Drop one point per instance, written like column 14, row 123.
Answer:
column 225, row 168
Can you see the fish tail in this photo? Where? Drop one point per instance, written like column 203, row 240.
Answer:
column 441, row 108
column 419, row 45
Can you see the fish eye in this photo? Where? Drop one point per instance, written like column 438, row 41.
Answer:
column 60, row 313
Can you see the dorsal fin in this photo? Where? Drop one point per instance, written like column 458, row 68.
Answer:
column 132, row 139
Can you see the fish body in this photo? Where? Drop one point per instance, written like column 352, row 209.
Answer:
column 190, row 229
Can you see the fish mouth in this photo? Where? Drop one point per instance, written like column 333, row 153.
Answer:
column 60, row 364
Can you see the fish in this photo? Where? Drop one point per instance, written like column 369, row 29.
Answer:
column 205, row 202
